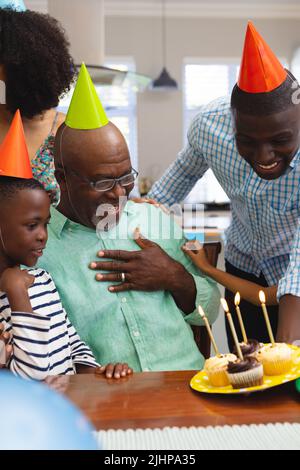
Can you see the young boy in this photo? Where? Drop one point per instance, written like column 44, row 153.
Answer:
column 43, row 340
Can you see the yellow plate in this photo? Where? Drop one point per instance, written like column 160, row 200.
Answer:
column 200, row 381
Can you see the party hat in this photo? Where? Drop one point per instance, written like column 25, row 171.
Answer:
column 85, row 110
column 260, row 70
column 14, row 157
column 17, row 5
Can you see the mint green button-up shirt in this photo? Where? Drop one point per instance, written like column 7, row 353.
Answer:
column 145, row 329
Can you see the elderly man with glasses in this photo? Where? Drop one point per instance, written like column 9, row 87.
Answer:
column 127, row 286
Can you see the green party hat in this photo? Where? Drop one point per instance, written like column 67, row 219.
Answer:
column 85, row 110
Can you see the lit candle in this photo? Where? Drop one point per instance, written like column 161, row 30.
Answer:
column 262, row 299
column 204, row 318
column 233, row 332
column 237, row 300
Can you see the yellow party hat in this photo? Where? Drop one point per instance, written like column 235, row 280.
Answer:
column 85, row 110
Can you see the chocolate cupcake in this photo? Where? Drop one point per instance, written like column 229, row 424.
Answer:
column 245, row 373
column 249, row 349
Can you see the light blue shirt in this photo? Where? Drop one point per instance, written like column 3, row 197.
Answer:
column 264, row 213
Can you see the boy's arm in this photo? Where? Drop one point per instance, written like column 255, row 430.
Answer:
column 248, row 290
column 30, row 332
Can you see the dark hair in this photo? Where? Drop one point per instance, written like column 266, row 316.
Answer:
column 264, row 104
column 10, row 186
column 37, row 64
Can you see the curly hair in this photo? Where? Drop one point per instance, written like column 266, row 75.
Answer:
column 37, row 64
column 10, row 186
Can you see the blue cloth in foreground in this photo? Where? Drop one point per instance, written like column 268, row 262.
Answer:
column 34, row 417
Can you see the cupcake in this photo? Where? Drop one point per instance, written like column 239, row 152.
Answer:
column 216, row 367
column 250, row 348
column 277, row 359
column 245, row 373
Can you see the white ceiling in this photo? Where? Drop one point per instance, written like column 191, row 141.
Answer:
column 193, row 8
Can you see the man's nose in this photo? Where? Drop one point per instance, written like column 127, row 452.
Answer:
column 42, row 235
column 117, row 191
column 264, row 154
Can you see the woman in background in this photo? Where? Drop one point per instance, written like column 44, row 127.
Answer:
column 37, row 69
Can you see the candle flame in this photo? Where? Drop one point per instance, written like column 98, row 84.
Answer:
column 225, row 305
column 200, row 310
column 237, row 299
column 262, row 297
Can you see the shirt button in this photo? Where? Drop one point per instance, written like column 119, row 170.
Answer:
column 136, row 333
column 124, row 300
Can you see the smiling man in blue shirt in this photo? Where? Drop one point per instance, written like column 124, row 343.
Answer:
column 252, row 146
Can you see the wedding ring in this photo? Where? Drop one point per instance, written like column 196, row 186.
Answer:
column 123, row 277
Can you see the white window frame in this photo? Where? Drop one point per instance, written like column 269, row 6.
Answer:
column 132, row 109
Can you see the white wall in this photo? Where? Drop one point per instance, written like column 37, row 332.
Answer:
column 160, row 115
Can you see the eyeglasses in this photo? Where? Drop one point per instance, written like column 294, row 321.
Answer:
column 109, row 183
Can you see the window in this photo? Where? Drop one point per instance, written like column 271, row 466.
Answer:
column 119, row 103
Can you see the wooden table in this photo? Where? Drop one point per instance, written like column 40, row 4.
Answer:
column 159, row 399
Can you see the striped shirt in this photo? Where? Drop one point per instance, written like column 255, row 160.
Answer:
column 264, row 213
column 44, row 342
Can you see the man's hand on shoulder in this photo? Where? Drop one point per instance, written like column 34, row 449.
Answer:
column 142, row 200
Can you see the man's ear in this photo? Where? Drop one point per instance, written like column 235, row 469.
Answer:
column 61, row 179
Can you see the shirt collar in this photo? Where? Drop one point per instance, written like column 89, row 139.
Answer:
column 60, row 222
column 295, row 159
